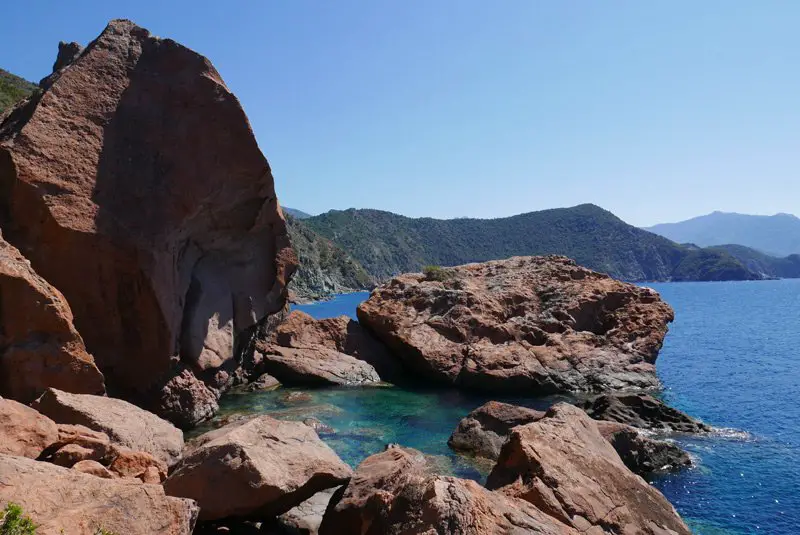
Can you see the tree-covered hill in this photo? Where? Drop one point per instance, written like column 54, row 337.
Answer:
column 13, row 89
column 387, row 244
column 766, row 265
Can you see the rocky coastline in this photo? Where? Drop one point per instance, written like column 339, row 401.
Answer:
column 144, row 272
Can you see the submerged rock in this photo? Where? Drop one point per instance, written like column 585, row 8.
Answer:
column 643, row 411
column 256, row 469
column 483, row 431
column 68, row 502
column 136, row 168
column 527, row 324
column 394, row 493
column 40, row 346
column 564, row 466
column 125, row 424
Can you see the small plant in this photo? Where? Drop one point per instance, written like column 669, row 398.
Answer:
column 14, row 522
column 437, row 273
column 101, row 531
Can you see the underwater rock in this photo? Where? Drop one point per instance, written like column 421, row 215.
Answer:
column 535, row 325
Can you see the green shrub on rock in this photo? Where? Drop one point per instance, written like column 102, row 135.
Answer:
column 14, row 522
column 437, row 273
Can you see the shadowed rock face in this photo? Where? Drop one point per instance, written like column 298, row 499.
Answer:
column 483, row 431
column 134, row 185
column 643, row 411
column 39, row 346
column 535, row 325
column 563, row 465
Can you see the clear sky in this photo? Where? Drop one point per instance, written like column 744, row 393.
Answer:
column 657, row 110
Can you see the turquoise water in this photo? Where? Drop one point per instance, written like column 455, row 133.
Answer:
column 731, row 358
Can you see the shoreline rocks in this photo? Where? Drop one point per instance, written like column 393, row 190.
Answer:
column 256, row 469
column 643, row 411
column 534, row 325
column 136, row 168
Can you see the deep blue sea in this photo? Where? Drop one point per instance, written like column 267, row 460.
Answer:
column 732, row 358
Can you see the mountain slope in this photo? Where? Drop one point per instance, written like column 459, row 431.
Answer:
column 387, row 244
column 758, row 262
column 297, row 214
column 775, row 235
column 13, row 89
column 324, row 268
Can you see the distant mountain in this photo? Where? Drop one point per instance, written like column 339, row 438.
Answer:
column 324, row 268
column 13, row 89
column 297, row 214
column 777, row 235
column 387, row 244
column 763, row 264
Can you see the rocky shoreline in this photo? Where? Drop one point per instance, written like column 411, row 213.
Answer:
column 145, row 263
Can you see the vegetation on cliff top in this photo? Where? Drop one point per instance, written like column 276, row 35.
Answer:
column 387, row 244
column 325, row 268
column 13, row 89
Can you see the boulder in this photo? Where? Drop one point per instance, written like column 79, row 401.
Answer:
column 95, row 444
column 304, row 519
column 136, row 168
column 316, row 366
column 125, row 424
column 255, row 469
column 532, row 325
column 185, row 400
column 641, row 454
column 564, row 466
column 644, row 412
column 342, row 334
column 39, row 345
column 139, row 465
column 265, row 382
column 94, row 468
column 394, row 493
column 483, row 431
column 72, row 454
column 23, row 431
column 68, row 502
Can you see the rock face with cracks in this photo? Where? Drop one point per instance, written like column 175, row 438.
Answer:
column 68, row 502
column 256, row 469
column 394, row 493
column 526, row 324
column 564, row 466
column 39, row 345
column 23, row 431
column 644, row 412
column 133, row 184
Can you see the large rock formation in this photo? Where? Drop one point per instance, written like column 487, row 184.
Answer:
column 135, row 186
column 257, row 469
column 69, row 502
column 564, row 466
column 126, row 425
column 644, row 412
column 394, row 493
column 528, row 324
column 39, row 346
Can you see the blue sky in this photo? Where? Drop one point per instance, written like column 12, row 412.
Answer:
column 657, row 110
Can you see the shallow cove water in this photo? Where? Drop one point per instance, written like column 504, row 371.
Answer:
column 731, row 358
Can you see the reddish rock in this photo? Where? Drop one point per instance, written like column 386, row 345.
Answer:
column 314, row 366
column 394, row 493
column 125, row 424
column 527, row 324
column 40, row 346
column 94, row 468
column 139, row 465
column 68, row 502
column 564, row 466
column 483, row 431
column 301, row 331
column 185, row 400
column 72, row 454
column 256, row 469
column 644, row 412
column 136, row 169
column 265, row 382
column 96, row 443
column 23, row 431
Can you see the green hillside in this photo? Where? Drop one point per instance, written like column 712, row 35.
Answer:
column 13, row 89
column 387, row 244
column 769, row 266
column 324, row 268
